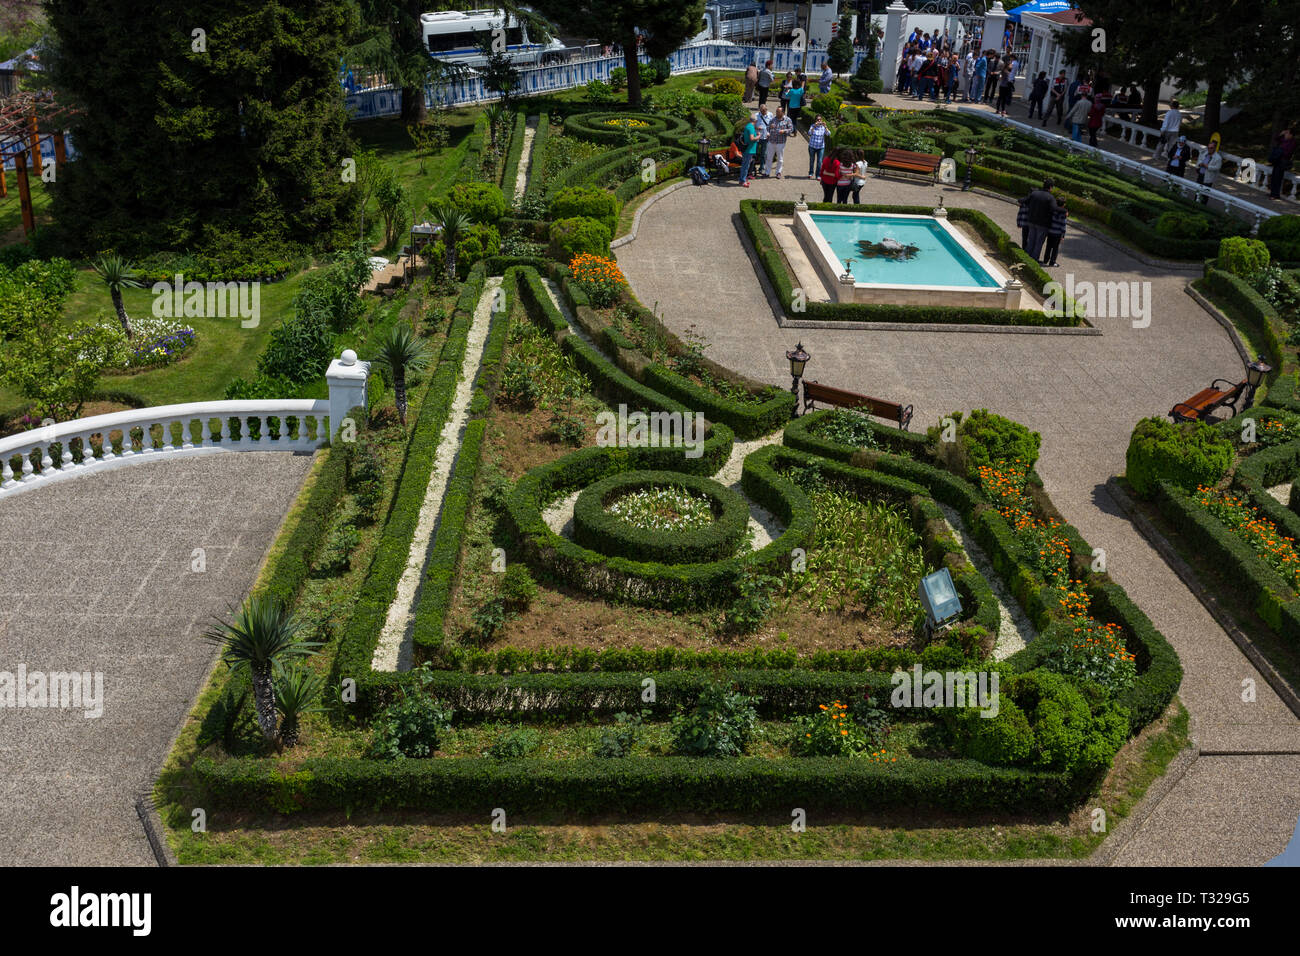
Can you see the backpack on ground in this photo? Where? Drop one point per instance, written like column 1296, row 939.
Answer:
column 699, row 175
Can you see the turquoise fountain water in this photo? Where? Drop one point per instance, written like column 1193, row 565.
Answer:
column 939, row 261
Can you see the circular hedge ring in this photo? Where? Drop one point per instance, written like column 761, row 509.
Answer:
column 595, row 528
column 609, row 128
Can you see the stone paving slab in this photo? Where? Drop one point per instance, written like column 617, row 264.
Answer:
column 95, row 576
column 1083, row 394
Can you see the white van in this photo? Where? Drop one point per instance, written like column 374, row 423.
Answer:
column 453, row 36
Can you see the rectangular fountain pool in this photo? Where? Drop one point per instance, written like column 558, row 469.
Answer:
column 939, row 266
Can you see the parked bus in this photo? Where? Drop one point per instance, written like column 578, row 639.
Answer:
column 750, row 21
column 454, row 36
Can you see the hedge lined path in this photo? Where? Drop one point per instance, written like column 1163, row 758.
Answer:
column 98, row 574
column 1083, row 393
column 394, row 652
column 525, row 159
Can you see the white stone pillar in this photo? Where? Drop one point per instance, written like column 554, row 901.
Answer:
column 347, row 383
column 891, row 46
column 995, row 23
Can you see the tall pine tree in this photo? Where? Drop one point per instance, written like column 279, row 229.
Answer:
column 190, row 139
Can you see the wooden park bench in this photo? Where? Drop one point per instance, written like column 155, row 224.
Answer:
column 842, row 398
column 1200, row 405
column 926, row 164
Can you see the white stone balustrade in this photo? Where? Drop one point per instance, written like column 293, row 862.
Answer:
column 69, row 449
column 1229, row 203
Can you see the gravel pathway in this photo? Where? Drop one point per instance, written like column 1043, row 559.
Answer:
column 394, row 651
column 1015, row 630
column 1282, row 493
column 525, row 159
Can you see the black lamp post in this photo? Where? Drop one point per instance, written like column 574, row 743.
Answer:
column 1255, row 373
column 702, row 153
column 798, row 359
column 971, row 152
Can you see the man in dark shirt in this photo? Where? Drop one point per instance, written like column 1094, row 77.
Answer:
column 1039, row 208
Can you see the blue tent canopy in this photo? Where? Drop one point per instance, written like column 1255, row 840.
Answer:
column 1039, row 6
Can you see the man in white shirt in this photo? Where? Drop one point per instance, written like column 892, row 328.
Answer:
column 1207, row 169
column 1169, row 128
column 777, row 130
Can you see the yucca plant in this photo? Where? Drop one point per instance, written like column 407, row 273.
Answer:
column 297, row 693
column 402, row 350
column 118, row 274
column 260, row 635
column 496, row 115
column 453, row 224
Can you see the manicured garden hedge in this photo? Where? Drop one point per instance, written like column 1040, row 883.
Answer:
column 802, row 434
column 647, row 583
column 512, row 172
column 597, row 529
column 370, row 608
column 769, row 253
column 592, row 126
column 747, row 419
column 631, row 785
column 444, row 553
column 293, row 563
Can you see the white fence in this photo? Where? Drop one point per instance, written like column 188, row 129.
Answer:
column 147, row 434
column 1229, row 203
column 537, row 80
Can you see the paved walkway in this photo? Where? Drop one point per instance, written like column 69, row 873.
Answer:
column 1019, row 111
column 95, row 575
column 1083, row 393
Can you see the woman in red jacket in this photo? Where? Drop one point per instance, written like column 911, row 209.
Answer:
column 830, row 176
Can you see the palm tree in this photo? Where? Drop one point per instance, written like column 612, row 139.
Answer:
column 496, row 115
column 452, row 223
column 401, row 350
column 297, row 692
column 262, row 633
column 118, row 274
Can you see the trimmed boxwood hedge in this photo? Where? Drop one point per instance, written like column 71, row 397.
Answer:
column 769, row 253
column 747, row 419
column 801, row 434
column 631, row 785
column 648, row 583
column 660, row 126
column 370, row 607
column 434, row 596
column 595, row 528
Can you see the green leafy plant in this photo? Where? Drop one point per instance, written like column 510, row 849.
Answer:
column 414, row 725
column 514, row 744
column 752, row 603
column 1243, row 257
column 573, row 237
column 836, row 730
column 721, row 724
column 117, row 274
column 620, row 740
column 848, row 428
column 56, row 367
column 518, row 589
column 401, row 351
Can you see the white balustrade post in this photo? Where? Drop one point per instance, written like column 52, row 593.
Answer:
column 347, row 384
column 891, row 47
column 995, row 24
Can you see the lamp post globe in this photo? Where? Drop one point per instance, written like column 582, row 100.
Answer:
column 798, row 359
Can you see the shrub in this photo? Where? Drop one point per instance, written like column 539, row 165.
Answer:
column 847, row 428
column 663, row 69
column 867, row 79
column 1095, row 652
column 984, row 438
column 730, row 105
column 857, row 135
column 618, row 79
column 300, row 350
column 728, row 86
column 1286, row 228
column 514, row 744
column 599, row 92
column 480, row 241
column 1181, row 225
column 825, row 104
column 32, row 292
column 619, row 740
column 574, row 237
column 752, row 604
column 721, row 724
column 411, row 726
column 588, row 202
column 518, row 589
column 1242, row 256
column 482, row 202
column 1186, row 455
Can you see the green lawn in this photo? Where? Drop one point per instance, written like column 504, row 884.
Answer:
column 11, row 210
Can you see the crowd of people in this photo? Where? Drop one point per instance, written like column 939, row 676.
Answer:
column 938, row 71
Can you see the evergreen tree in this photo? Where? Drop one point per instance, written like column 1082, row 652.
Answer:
column 203, row 122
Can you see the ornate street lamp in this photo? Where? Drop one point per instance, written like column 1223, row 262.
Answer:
column 1255, row 373
column 971, row 153
column 702, row 153
column 798, row 359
